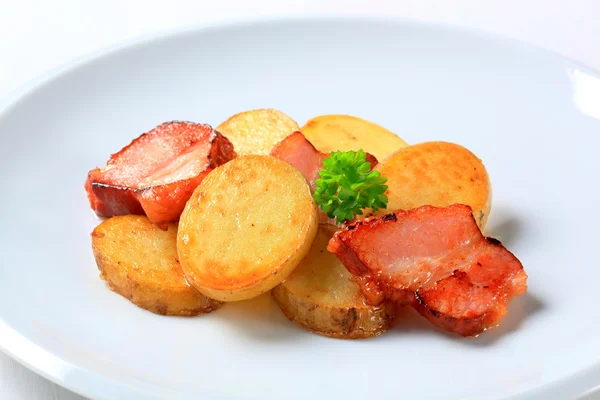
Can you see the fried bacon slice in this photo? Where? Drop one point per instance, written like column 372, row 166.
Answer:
column 157, row 172
column 436, row 260
column 298, row 151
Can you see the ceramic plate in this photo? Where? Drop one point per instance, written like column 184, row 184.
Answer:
column 533, row 117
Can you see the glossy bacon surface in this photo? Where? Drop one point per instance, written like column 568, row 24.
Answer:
column 158, row 171
column 437, row 260
column 298, row 151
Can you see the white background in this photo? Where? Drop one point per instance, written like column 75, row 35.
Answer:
column 39, row 35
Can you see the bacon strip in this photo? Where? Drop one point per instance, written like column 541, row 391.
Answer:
column 157, row 172
column 436, row 260
column 298, row 151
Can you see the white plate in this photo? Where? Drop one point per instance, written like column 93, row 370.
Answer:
column 533, row 118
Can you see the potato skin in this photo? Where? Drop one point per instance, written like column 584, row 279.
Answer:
column 138, row 260
column 437, row 174
column 257, row 131
column 320, row 297
column 246, row 227
column 344, row 132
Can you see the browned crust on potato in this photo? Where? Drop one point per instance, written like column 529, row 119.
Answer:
column 437, row 174
column 335, row 322
column 320, row 297
column 139, row 261
column 246, row 227
column 257, row 131
column 335, row 132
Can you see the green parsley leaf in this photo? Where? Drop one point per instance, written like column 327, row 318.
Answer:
column 347, row 186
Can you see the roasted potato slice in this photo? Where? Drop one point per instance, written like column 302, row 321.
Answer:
column 138, row 260
column 437, row 174
column 344, row 132
column 246, row 227
column 319, row 296
column 257, row 131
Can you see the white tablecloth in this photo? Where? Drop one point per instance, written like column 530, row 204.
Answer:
column 39, row 35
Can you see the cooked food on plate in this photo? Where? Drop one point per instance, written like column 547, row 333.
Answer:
column 437, row 174
column 299, row 152
column 435, row 259
column 246, row 227
column 341, row 220
column 156, row 173
column 257, row 131
column 345, row 132
column 139, row 261
column 320, row 296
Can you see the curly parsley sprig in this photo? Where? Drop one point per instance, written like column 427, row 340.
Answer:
column 347, row 186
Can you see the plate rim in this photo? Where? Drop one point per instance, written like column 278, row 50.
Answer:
column 28, row 354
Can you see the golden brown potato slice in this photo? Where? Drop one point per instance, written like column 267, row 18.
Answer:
column 257, row 131
column 319, row 296
column 138, row 260
column 437, row 174
column 344, row 132
column 246, row 227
